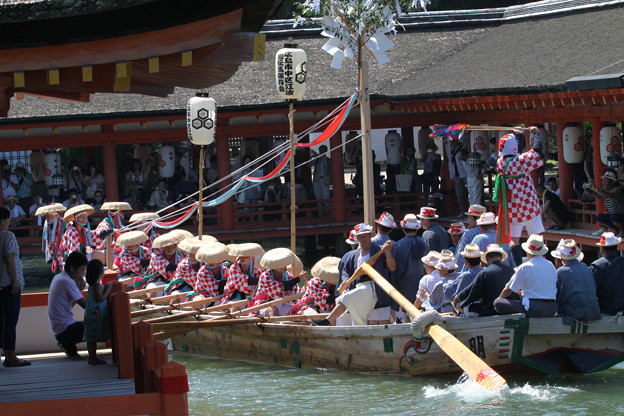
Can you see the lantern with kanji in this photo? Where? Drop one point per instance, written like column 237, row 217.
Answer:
column 291, row 72
column 573, row 144
column 479, row 142
column 201, row 119
column 610, row 142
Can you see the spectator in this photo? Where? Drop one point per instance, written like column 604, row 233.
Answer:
column 24, row 185
column 134, row 198
column 94, row 182
column 553, row 208
column 9, row 180
column 16, row 211
column 457, row 169
column 322, row 180
column 136, row 178
column 273, row 195
column 553, row 186
column 608, row 271
column 98, row 200
column 158, row 200
column 431, row 172
column 75, row 180
column 73, row 200
column 96, row 319
column 11, row 286
column 38, row 202
column 612, row 194
column 409, row 166
column 474, row 179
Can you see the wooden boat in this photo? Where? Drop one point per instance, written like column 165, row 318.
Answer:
column 509, row 343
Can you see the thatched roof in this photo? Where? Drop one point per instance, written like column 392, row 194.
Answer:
column 511, row 56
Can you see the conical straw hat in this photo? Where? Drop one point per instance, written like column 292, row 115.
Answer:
column 212, row 253
column 278, row 258
column 167, row 239
column 246, row 250
column 190, row 245
column 183, row 233
column 69, row 214
column 50, row 208
column 207, row 238
column 115, row 206
column 144, row 216
column 131, row 238
column 296, row 267
column 327, row 269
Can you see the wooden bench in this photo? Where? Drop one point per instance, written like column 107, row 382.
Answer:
column 583, row 214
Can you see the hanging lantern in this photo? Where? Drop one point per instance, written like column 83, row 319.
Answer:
column 291, row 72
column 51, row 167
column 479, row 143
column 36, row 161
column 610, row 142
column 201, row 119
column 393, row 147
column 573, row 144
column 613, row 160
column 474, row 159
column 166, row 161
column 544, row 134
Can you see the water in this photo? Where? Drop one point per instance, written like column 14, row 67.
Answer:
column 37, row 274
column 221, row 387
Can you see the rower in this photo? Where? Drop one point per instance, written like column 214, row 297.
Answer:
column 186, row 272
column 319, row 291
column 243, row 276
column 212, row 275
column 132, row 260
column 112, row 221
column 164, row 259
column 78, row 235
column 144, row 221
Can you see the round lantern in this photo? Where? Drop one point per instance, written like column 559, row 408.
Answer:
column 51, row 167
column 291, row 72
column 36, row 161
column 610, row 142
column 393, row 147
column 143, row 153
column 543, row 134
column 573, row 144
column 166, row 161
column 201, row 119
column 479, row 143
column 474, row 159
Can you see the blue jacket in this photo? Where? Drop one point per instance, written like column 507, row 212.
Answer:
column 609, row 276
column 576, row 292
column 383, row 299
column 409, row 268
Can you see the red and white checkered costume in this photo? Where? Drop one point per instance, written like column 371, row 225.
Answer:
column 159, row 262
column 271, row 287
column 207, row 284
column 187, row 271
column 74, row 240
column 151, row 234
column 237, row 280
column 315, row 296
column 524, row 204
column 130, row 262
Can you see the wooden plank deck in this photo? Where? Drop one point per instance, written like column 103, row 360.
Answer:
column 53, row 376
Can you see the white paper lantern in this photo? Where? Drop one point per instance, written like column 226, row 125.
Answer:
column 51, row 167
column 543, row 134
column 480, row 142
column 573, row 144
column 393, row 147
column 201, row 119
column 610, row 142
column 166, row 161
column 291, row 72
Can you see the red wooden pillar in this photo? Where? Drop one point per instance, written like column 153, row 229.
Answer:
column 172, row 382
column 226, row 210
column 110, row 167
column 142, row 334
column 599, row 167
column 339, row 199
column 566, row 176
column 122, row 341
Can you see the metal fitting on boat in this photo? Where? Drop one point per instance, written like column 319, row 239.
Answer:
column 422, row 321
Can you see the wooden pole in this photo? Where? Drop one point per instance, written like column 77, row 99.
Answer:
column 200, row 208
column 293, row 194
column 367, row 154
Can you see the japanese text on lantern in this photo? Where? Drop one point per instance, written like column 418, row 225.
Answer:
column 285, row 74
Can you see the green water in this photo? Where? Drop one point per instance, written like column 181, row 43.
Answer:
column 220, row 387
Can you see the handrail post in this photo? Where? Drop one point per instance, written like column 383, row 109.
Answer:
column 142, row 334
column 172, row 382
column 122, row 341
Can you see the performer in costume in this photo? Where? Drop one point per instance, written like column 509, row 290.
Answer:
column 53, row 230
column 212, row 276
column 186, row 272
column 144, row 221
column 132, row 260
column 78, row 235
column 243, row 276
column 164, row 259
column 113, row 220
column 514, row 191
column 319, row 291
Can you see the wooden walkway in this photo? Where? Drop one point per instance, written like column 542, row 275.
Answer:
column 54, row 376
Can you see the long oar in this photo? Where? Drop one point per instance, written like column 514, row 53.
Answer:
column 151, row 311
column 197, row 312
column 476, row 368
column 157, row 300
column 262, row 306
column 141, row 292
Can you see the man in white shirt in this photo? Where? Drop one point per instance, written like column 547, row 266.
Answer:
column 537, row 279
column 64, row 293
column 159, row 199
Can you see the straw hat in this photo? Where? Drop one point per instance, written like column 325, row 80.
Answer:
column 296, row 267
column 131, row 238
column 185, row 234
column 212, row 253
column 535, row 245
column 493, row 248
column 446, row 263
column 190, row 245
column 115, row 206
column 246, row 250
column 50, row 208
column 431, row 259
column 410, row 222
column 427, row 213
column 144, row 216
column 362, row 229
column 277, row 258
column 69, row 214
column 206, row 239
column 352, row 239
column 471, row 251
column 386, row 219
column 609, row 239
column 168, row 239
column 567, row 250
column 327, row 269
column 457, row 228
column 487, row 218
column 11, row 198
column 610, row 175
column 476, row 210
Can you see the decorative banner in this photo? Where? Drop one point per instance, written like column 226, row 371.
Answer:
column 454, row 132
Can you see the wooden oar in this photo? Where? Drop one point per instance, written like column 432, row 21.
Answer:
column 476, row 368
column 198, row 312
column 151, row 311
column 166, row 330
column 263, row 305
column 141, row 292
column 157, row 300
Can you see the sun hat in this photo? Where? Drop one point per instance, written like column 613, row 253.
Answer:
column 206, row 238
column 246, row 250
column 386, row 219
column 144, row 216
column 471, row 251
column 567, row 250
column 476, row 210
column 427, row 213
column 70, row 213
column 50, row 208
column 277, row 258
column 446, row 263
column 327, row 269
column 131, row 238
column 11, row 198
column 411, row 222
column 190, row 245
column 296, row 267
column 168, row 239
column 535, row 245
column 352, row 239
column 431, row 259
column 610, row 175
column 487, row 218
column 185, row 234
column 493, row 248
column 457, row 228
column 608, row 239
column 115, row 206
column 212, row 253
column 362, row 229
